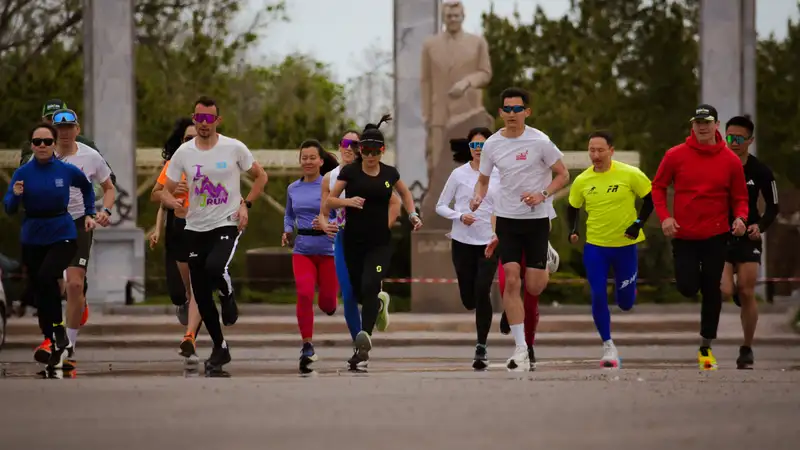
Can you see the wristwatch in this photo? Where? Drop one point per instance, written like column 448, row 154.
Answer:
column 107, row 211
column 545, row 193
column 248, row 203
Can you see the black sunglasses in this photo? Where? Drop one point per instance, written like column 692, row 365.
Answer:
column 39, row 141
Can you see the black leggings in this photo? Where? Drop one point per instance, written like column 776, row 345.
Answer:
column 698, row 267
column 367, row 265
column 46, row 265
column 210, row 253
column 475, row 275
column 175, row 287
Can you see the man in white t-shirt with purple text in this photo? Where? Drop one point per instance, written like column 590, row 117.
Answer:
column 212, row 164
column 527, row 161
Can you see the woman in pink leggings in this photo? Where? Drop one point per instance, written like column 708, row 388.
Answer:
column 312, row 258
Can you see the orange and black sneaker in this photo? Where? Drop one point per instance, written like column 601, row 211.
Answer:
column 85, row 316
column 70, row 363
column 42, row 352
column 187, row 347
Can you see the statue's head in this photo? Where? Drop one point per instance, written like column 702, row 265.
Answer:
column 452, row 15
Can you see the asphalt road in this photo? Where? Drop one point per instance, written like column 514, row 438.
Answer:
column 411, row 398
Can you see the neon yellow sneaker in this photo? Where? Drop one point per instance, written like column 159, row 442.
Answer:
column 705, row 359
column 382, row 322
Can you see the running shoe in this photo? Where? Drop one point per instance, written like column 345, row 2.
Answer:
column 42, row 352
column 357, row 362
column 519, row 359
column 188, row 346
column 382, row 321
column 746, row 359
column 705, row 359
column 230, row 310
column 480, row 361
column 552, row 259
column 182, row 313
column 70, row 363
column 307, row 355
column 219, row 357
column 363, row 344
column 531, row 358
column 505, row 328
column 85, row 316
column 610, row 358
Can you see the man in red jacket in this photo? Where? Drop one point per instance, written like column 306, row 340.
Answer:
column 709, row 183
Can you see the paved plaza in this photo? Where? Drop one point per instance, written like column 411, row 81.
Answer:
column 411, row 398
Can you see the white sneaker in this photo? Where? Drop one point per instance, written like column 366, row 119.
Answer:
column 519, row 360
column 610, row 356
column 552, row 259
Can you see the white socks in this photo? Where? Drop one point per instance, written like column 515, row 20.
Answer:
column 72, row 334
column 518, row 331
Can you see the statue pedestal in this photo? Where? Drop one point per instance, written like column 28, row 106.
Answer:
column 431, row 258
column 117, row 257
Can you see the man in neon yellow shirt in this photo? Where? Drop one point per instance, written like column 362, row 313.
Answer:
column 608, row 191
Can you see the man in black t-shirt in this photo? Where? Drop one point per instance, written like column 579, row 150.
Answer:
column 368, row 186
column 744, row 252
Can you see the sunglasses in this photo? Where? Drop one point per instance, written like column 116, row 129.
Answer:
column 476, row 145
column 349, row 143
column 188, row 138
column 65, row 117
column 204, row 117
column 39, row 141
column 515, row 109
column 372, row 151
column 734, row 139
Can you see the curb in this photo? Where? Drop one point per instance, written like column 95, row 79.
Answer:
column 292, row 341
column 268, row 327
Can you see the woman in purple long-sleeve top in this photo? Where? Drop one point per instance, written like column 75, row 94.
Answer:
column 312, row 259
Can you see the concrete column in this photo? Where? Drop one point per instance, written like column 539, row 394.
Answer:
column 728, row 67
column 414, row 21
column 109, row 118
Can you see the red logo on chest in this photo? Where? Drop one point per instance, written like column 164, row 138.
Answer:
column 522, row 156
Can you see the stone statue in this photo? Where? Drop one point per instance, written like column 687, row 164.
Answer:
column 455, row 69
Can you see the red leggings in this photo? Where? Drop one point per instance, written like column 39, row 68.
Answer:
column 531, row 303
column 311, row 271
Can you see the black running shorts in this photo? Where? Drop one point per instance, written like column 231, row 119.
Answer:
column 85, row 239
column 741, row 249
column 527, row 237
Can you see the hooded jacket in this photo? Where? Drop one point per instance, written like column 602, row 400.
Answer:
column 709, row 183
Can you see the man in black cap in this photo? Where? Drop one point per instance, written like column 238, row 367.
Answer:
column 709, row 185
column 49, row 108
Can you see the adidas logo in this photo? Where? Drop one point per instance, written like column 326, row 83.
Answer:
column 751, row 183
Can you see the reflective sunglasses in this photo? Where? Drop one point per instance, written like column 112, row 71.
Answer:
column 204, row 117
column 476, row 145
column 189, row 138
column 65, row 117
column 514, row 109
column 734, row 139
column 349, row 143
column 39, row 141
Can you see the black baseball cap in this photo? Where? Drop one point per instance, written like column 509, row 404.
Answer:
column 65, row 117
column 705, row 112
column 52, row 105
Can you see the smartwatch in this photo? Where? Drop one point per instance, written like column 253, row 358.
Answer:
column 545, row 193
column 107, row 211
column 248, row 203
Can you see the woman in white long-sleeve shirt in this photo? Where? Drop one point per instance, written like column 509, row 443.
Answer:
column 470, row 234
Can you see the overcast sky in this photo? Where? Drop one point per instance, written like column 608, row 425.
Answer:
column 337, row 32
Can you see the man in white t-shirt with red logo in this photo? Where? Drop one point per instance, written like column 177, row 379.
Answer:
column 213, row 164
column 527, row 160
